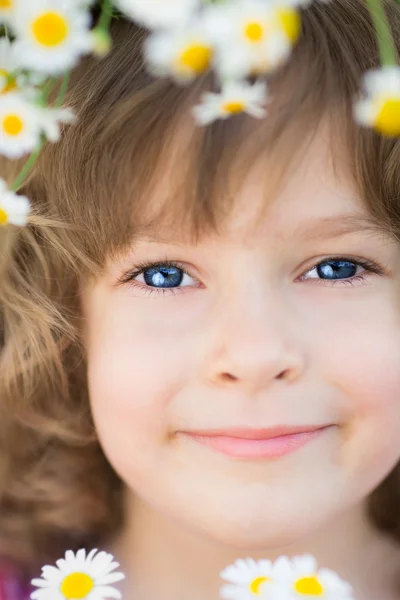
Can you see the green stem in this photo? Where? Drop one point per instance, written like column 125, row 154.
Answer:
column 28, row 166
column 63, row 89
column 387, row 49
column 48, row 87
column 105, row 16
column 30, row 163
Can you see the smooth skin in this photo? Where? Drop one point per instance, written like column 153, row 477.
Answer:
column 255, row 334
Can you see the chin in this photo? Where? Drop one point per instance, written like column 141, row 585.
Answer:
column 258, row 532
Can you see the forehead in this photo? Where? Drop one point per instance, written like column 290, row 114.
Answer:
column 315, row 194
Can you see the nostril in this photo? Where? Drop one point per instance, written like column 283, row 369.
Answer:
column 228, row 377
column 283, row 374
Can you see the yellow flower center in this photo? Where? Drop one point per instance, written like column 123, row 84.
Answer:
column 234, row 107
column 255, row 585
column 388, row 119
column 76, row 586
column 309, row 585
column 13, row 125
column 197, row 58
column 291, row 23
column 50, row 29
column 254, row 32
column 10, row 82
column 5, row 4
column 3, row 217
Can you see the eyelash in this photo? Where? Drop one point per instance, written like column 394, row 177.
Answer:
column 129, row 278
column 367, row 265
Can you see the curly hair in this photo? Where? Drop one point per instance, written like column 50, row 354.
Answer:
column 57, row 489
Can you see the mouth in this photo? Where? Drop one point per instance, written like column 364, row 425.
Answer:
column 257, row 444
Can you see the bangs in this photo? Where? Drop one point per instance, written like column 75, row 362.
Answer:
column 136, row 158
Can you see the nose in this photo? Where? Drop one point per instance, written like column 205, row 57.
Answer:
column 252, row 342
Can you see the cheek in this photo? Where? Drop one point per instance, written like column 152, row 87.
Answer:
column 360, row 358
column 135, row 369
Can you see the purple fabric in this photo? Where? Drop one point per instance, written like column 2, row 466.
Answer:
column 11, row 586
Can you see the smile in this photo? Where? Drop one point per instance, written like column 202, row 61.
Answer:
column 256, row 444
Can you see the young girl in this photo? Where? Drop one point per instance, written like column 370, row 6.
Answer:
column 184, row 294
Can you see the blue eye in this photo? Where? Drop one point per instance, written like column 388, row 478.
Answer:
column 336, row 269
column 341, row 269
column 162, row 276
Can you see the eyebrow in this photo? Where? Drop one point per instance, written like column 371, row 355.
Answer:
column 325, row 228
column 339, row 225
column 151, row 234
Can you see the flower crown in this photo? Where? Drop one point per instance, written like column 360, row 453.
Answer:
column 90, row 577
column 43, row 40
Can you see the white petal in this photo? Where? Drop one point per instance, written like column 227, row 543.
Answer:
column 81, row 554
column 304, row 565
column 51, row 573
column 331, row 580
column 233, row 592
column 158, row 13
column 107, row 568
column 42, row 583
column 69, row 556
column 365, row 112
column 110, row 579
column 385, row 80
column 102, row 592
column 282, row 568
column 49, row 594
column 91, row 554
column 204, row 114
column 234, row 62
column 62, row 565
column 279, row 49
column 100, row 561
column 256, row 111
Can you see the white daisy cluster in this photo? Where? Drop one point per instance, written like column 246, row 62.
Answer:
column 241, row 41
column 236, row 39
column 90, row 577
column 42, row 40
column 285, row 579
column 87, row 577
column 379, row 105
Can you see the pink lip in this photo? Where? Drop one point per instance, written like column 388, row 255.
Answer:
column 257, row 443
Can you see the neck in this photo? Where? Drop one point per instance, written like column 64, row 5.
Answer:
column 162, row 560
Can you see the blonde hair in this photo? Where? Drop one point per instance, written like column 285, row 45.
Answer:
column 57, row 490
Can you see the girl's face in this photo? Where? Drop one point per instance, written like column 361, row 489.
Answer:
column 290, row 320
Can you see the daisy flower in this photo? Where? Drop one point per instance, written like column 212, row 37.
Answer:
column 22, row 123
column 158, row 13
column 79, row 576
column 51, row 35
column 380, row 105
column 236, row 97
column 247, row 579
column 251, row 37
column 300, row 578
column 286, row 21
column 51, row 120
column 7, row 8
column 14, row 209
column 8, row 64
column 19, row 125
column 183, row 54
